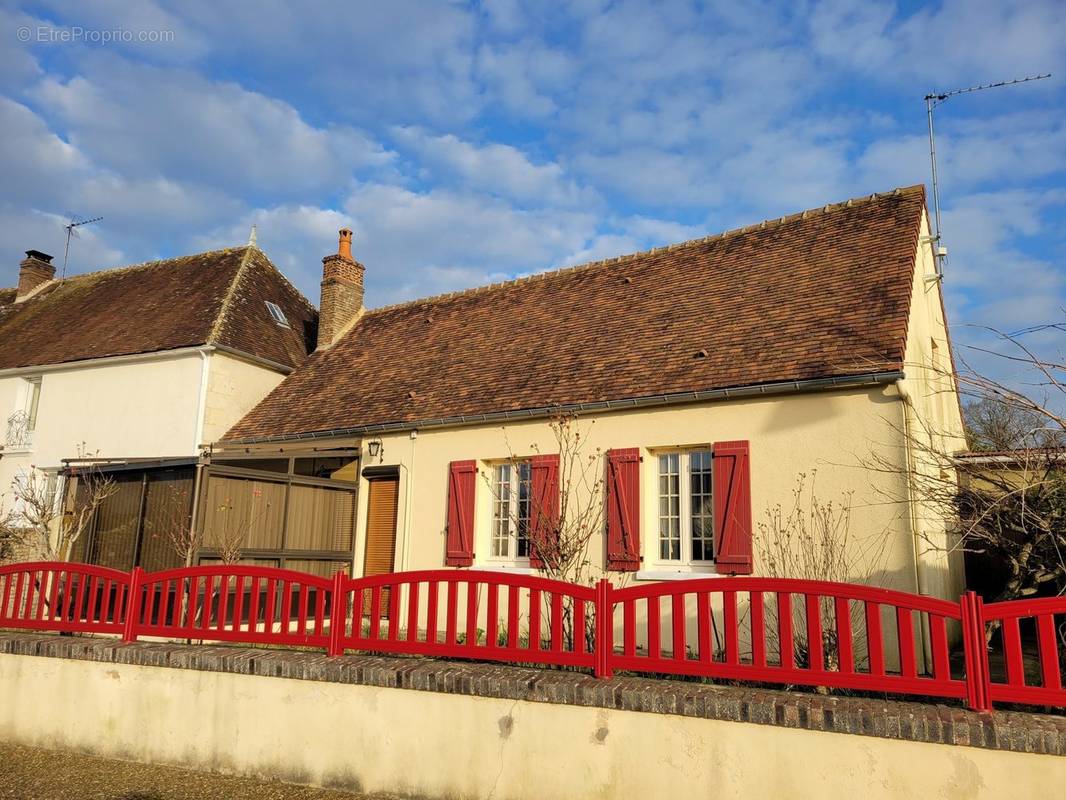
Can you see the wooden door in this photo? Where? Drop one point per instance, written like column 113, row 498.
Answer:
column 380, row 557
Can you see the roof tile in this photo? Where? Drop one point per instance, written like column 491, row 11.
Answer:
column 818, row 294
column 207, row 298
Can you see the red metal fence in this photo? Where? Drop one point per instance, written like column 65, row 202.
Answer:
column 770, row 630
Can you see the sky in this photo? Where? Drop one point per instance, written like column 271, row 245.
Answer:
column 470, row 143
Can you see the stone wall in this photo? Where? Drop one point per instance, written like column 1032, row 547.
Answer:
column 441, row 729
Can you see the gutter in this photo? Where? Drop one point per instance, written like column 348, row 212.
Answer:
column 651, row 401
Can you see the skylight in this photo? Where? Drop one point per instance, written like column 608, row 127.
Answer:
column 277, row 314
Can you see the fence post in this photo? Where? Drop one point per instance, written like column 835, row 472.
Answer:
column 604, row 629
column 978, row 688
column 133, row 606
column 337, row 615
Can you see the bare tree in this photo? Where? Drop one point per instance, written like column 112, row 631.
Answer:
column 993, row 425
column 38, row 525
column 174, row 523
column 1010, row 507
column 232, row 524
column 812, row 540
column 560, row 538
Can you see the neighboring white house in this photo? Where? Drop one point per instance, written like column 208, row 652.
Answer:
column 136, row 367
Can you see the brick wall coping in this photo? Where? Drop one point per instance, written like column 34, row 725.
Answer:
column 891, row 719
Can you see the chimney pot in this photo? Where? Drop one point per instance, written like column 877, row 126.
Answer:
column 344, row 246
column 342, row 292
column 35, row 270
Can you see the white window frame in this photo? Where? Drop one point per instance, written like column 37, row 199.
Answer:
column 277, row 314
column 686, row 563
column 508, row 505
column 27, row 404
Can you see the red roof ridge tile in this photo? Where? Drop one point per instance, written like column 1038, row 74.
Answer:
column 627, row 257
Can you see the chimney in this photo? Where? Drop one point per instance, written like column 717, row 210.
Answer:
column 34, row 270
column 342, row 292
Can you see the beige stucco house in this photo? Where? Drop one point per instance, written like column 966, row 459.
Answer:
column 705, row 376
column 132, row 370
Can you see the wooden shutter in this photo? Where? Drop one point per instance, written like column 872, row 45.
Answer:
column 623, row 509
column 460, row 543
column 382, row 501
column 544, row 509
column 732, row 507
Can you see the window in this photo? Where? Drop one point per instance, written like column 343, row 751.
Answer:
column 686, row 507
column 22, row 423
column 510, row 511
column 33, row 400
column 277, row 314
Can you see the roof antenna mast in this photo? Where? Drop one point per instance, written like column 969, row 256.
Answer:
column 932, row 101
column 72, row 230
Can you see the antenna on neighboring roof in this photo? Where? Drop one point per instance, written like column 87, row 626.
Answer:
column 72, row 230
column 932, row 101
column 251, row 237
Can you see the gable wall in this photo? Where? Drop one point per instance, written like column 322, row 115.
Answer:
column 234, row 387
column 934, row 423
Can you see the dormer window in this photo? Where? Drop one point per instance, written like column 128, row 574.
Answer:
column 277, row 314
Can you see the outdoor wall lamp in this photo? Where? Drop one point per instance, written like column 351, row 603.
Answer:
column 374, row 448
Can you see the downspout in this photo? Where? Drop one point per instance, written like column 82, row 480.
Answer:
column 905, row 397
column 201, row 405
column 926, row 635
column 410, row 490
column 194, row 514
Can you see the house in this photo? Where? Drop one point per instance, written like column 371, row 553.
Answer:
column 130, row 370
column 706, row 377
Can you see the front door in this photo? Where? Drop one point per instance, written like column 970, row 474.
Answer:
column 380, row 557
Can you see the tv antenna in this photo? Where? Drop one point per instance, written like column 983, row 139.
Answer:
column 72, row 230
column 932, row 101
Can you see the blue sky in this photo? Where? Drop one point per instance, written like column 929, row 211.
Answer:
column 469, row 143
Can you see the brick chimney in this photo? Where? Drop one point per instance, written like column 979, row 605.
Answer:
column 342, row 292
column 34, row 270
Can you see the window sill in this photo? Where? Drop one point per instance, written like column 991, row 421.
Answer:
column 13, row 450
column 514, row 569
column 676, row 574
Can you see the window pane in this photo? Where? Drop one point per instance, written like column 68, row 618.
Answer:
column 501, row 511
column 702, row 505
column 669, row 508
column 523, row 512
column 511, row 510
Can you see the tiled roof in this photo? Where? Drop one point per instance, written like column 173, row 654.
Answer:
column 209, row 298
column 820, row 294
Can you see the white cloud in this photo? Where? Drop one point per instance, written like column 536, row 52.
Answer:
column 34, row 161
column 400, row 233
column 148, row 121
column 525, row 76
column 27, row 229
column 959, row 41
column 492, row 168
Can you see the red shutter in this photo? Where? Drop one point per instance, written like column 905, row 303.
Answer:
column 460, row 547
column 623, row 509
column 732, row 507
column 544, row 509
